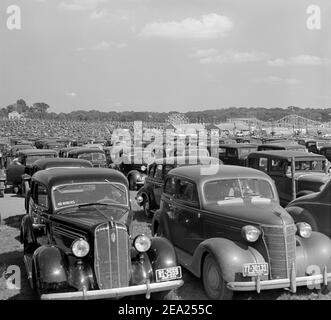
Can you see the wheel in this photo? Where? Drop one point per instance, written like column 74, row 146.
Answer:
column 213, row 282
column 147, row 207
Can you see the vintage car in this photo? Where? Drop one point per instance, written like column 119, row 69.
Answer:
column 77, row 242
column 149, row 195
column 229, row 230
column 134, row 166
column 50, row 163
column 313, row 144
column 235, row 154
column 281, row 146
column 96, row 156
column 310, row 171
column 325, row 151
column 22, row 163
column 314, row 209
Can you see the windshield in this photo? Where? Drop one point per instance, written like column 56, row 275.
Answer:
column 310, row 165
column 31, row 159
column 221, row 190
column 92, row 156
column 91, row 192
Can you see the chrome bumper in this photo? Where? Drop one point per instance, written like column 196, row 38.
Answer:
column 292, row 283
column 116, row 292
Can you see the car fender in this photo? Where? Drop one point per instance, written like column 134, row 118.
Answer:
column 51, row 265
column 162, row 253
column 27, row 235
column 311, row 252
column 230, row 256
column 134, row 173
column 297, row 212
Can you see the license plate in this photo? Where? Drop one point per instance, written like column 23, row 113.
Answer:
column 255, row 269
column 167, row 274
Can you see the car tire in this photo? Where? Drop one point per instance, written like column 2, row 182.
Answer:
column 147, row 207
column 214, row 284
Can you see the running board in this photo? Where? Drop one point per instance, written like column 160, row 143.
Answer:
column 28, row 266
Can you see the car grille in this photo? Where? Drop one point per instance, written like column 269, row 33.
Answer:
column 280, row 242
column 111, row 256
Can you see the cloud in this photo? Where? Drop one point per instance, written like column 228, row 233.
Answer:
column 72, row 94
column 208, row 56
column 104, row 46
column 273, row 80
column 80, row 5
column 210, row 26
column 301, row 60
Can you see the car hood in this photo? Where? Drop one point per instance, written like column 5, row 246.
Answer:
column 91, row 216
column 312, row 176
column 257, row 211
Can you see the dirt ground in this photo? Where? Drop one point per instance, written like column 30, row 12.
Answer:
column 11, row 211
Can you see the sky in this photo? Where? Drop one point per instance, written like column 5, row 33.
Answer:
column 165, row 55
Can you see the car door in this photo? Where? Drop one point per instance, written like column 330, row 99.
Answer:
column 188, row 216
column 158, row 183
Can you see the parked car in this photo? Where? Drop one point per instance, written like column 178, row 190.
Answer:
column 281, row 146
column 134, row 166
column 235, row 154
column 326, row 151
column 229, row 230
column 50, row 163
column 149, row 195
column 96, row 156
column 310, row 171
column 77, row 242
column 21, row 164
column 314, row 209
column 312, row 144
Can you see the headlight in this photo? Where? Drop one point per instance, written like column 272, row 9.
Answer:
column 80, row 248
column 304, row 229
column 250, row 233
column 143, row 168
column 142, row 243
column 140, row 199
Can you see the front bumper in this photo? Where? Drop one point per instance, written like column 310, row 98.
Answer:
column 292, row 283
column 116, row 292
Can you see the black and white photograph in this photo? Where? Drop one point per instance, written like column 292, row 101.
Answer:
column 162, row 150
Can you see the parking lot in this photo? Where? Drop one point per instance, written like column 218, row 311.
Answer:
column 11, row 253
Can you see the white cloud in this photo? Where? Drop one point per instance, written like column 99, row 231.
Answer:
column 72, row 94
column 104, row 46
column 274, row 80
column 210, row 26
column 301, row 60
column 80, row 5
column 207, row 56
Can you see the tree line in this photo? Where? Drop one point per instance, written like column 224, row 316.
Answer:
column 39, row 110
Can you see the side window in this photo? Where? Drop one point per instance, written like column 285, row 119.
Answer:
column 263, row 164
column 277, row 165
column 253, row 163
column 42, row 197
column 158, row 171
column 169, row 187
column 186, row 191
column 232, row 152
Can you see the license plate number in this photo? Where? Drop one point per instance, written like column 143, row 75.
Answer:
column 168, row 274
column 255, row 269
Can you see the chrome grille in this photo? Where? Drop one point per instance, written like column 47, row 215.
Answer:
column 280, row 242
column 111, row 256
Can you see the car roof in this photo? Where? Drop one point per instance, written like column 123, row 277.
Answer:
column 283, row 144
column 86, row 150
column 58, row 176
column 37, row 151
column 223, row 171
column 183, row 159
column 287, row 154
column 58, row 162
column 238, row 145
